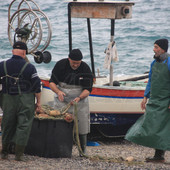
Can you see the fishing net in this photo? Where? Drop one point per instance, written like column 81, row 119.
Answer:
column 48, row 112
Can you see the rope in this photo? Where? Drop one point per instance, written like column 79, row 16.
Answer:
column 97, row 157
column 76, row 130
column 65, row 108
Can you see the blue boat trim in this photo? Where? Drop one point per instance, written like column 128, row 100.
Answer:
column 45, row 87
column 116, row 97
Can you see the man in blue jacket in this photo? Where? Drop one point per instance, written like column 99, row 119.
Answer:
column 20, row 86
column 152, row 129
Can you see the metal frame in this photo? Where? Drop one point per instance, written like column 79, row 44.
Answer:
column 90, row 9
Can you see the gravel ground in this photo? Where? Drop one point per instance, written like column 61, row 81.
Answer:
column 108, row 148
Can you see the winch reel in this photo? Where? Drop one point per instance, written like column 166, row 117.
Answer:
column 29, row 24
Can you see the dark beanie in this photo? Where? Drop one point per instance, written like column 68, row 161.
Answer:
column 162, row 43
column 20, row 45
column 76, row 55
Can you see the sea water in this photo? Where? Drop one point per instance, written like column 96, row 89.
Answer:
column 134, row 37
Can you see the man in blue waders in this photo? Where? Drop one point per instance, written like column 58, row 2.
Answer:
column 153, row 128
column 20, row 86
column 72, row 80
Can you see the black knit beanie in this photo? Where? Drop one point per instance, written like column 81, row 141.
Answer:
column 162, row 43
column 76, row 55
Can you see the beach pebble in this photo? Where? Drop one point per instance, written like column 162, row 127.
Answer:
column 111, row 155
column 129, row 159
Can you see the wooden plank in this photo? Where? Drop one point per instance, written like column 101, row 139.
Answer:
column 100, row 10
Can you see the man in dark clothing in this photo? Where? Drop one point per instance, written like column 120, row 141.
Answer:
column 72, row 80
column 20, row 86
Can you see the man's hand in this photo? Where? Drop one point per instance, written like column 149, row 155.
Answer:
column 38, row 102
column 38, row 108
column 77, row 99
column 61, row 95
column 56, row 90
column 143, row 103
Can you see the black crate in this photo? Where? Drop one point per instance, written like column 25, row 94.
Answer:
column 50, row 139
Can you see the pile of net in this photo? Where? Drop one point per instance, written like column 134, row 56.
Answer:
column 48, row 112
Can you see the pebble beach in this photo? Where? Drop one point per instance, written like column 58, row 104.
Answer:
column 111, row 154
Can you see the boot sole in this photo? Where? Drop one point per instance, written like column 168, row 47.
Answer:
column 155, row 161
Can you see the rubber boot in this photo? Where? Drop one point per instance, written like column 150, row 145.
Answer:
column 158, row 157
column 5, row 151
column 12, row 148
column 83, row 143
column 19, row 153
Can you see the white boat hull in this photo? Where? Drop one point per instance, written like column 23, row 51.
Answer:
column 109, row 105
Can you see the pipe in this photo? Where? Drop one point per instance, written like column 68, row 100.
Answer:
column 91, row 46
column 69, row 27
column 111, row 40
